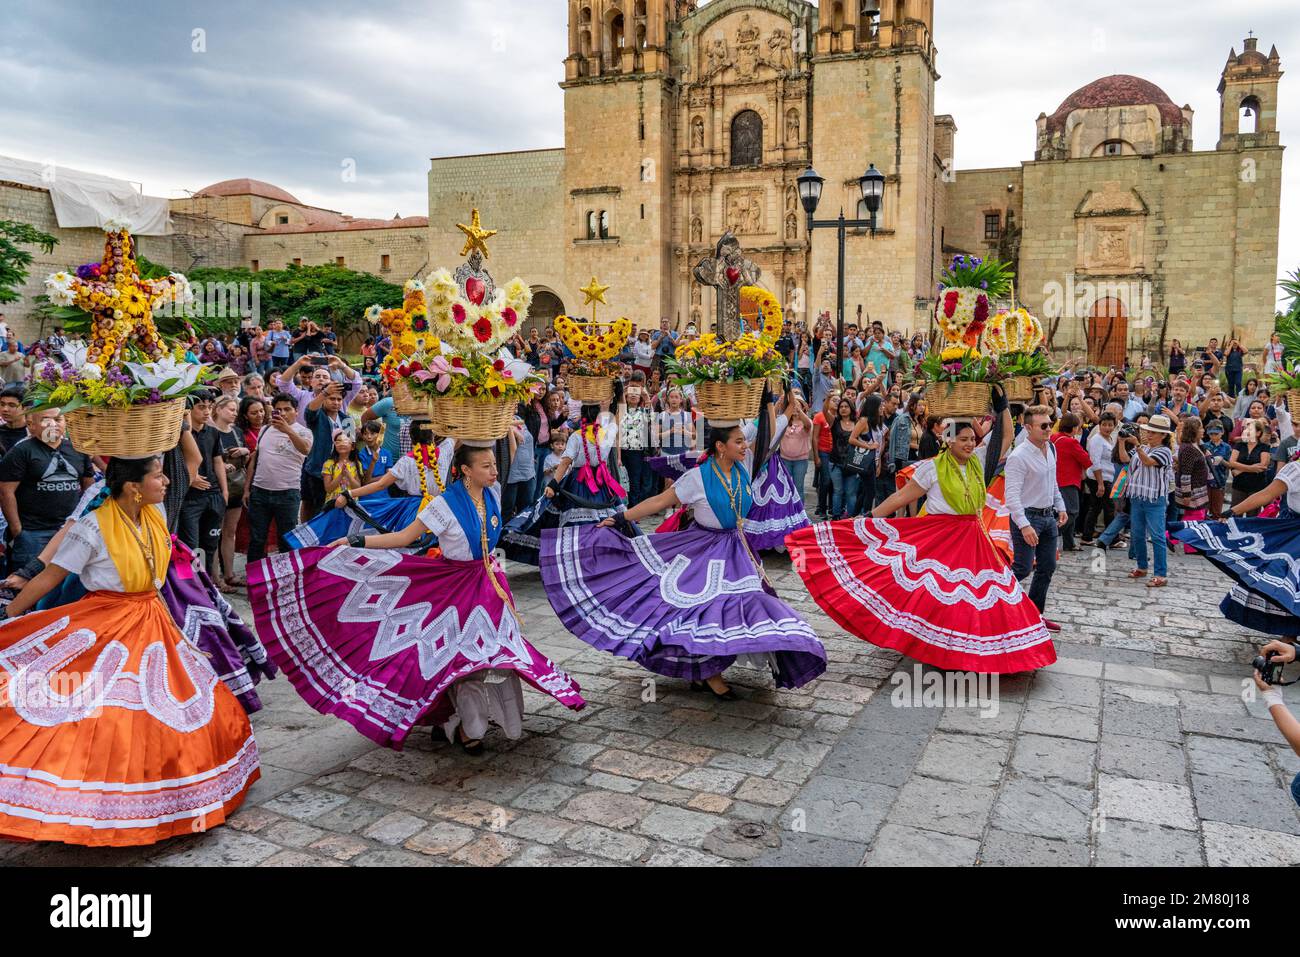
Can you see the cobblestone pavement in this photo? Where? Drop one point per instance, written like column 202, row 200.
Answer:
column 1136, row 748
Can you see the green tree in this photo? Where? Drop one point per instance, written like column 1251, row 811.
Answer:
column 327, row 293
column 14, row 260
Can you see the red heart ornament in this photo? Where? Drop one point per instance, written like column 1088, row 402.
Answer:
column 733, row 273
column 475, row 289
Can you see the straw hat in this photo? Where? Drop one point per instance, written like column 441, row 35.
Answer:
column 1159, row 423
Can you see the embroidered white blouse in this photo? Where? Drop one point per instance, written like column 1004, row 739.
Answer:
column 83, row 552
column 573, row 448
column 408, row 473
column 690, row 491
column 1290, row 476
column 438, row 518
column 926, row 475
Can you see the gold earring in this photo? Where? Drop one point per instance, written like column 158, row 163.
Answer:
column 138, row 498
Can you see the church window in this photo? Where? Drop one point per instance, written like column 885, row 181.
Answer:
column 1114, row 148
column 385, row 262
column 338, row 261
column 616, row 32
column 643, row 210
column 992, row 226
column 640, row 8
column 592, row 224
column 746, row 139
column 282, row 219
column 604, row 224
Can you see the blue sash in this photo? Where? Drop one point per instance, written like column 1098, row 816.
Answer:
column 719, row 501
column 462, row 506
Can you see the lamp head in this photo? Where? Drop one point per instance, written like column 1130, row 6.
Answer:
column 810, row 190
column 872, row 184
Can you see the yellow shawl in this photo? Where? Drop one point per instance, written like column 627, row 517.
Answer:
column 120, row 537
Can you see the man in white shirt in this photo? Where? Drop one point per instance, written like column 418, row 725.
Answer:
column 1037, row 507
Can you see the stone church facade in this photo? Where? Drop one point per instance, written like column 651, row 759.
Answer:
column 683, row 121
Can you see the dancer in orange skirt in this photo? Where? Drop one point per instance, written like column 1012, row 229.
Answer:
column 114, row 730
column 935, row 588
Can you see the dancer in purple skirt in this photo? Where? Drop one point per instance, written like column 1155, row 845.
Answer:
column 387, row 641
column 777, row 504
column 685, row 604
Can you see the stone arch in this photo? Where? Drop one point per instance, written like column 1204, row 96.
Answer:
column 1248, row 114
column 615, row 33
column 547, row 304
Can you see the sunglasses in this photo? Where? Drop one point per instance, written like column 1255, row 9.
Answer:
column 1046, row 426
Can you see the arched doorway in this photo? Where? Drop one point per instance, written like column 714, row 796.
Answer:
column 546, row 306
column 1107, row 334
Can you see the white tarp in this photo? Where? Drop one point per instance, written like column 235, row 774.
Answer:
column 89, row 199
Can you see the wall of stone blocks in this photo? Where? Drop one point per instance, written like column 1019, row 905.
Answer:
column 1210, row 240
column 520, row 195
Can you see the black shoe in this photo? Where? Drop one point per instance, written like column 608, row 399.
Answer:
column 472, row 747
column 728, row 695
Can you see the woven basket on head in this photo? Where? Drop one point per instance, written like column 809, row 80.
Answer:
column 958, row 400
column 1019, row 388
column 729, row 400
column 1293, row 403
column 128, row 433
column 592, row 389
column 479, row 419
column 408, row 402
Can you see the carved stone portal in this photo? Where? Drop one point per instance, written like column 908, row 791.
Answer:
column 744, row 208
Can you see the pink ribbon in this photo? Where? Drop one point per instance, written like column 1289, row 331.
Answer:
column 593, row 479
column 182, row 559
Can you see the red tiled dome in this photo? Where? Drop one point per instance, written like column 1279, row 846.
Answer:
column 248, row 187
column 1118, row 90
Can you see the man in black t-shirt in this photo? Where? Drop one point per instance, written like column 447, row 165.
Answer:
column 41, row 481
column 13, row 418
column 204, row 505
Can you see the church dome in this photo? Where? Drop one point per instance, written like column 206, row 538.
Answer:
column 248, row 187
column 1117, row 90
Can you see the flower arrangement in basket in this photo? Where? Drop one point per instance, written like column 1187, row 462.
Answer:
column 961, row 378
column 470, row 392
column 967, row 289
column 729, row 376
column 1283, row 381
column 592, row 370
column 1015, row 338
column 123, row 393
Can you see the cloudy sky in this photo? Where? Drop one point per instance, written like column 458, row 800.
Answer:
column 175, row 95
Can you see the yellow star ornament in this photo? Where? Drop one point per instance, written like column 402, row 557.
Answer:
column 475, row 235
column 594, row 292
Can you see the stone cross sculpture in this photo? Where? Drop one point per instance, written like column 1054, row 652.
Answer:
column 726, row 271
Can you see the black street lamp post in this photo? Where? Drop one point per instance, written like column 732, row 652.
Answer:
column 872, row 184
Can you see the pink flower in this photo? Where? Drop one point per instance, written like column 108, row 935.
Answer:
column 510, row 316
column 441, row 370
column 458, row 312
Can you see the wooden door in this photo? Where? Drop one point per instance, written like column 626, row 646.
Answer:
column 1107, row 334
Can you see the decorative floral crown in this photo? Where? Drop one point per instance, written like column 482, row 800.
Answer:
column 120, row 303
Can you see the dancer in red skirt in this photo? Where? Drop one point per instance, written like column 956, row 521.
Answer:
column 935, row 588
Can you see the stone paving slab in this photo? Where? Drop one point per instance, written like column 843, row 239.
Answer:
column 1135, row 749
